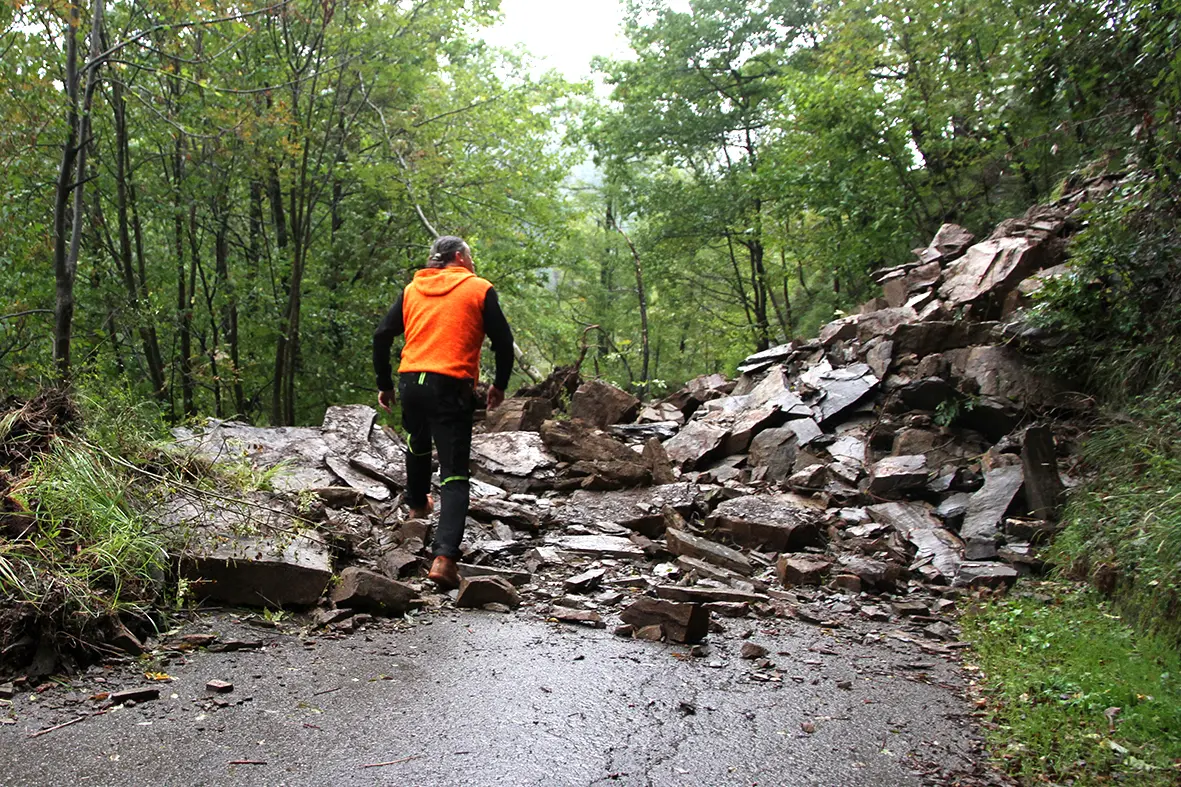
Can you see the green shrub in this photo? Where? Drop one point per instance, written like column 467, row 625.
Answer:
column 1119, row 311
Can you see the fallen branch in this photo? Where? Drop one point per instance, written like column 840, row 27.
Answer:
column 48, row 730
column 392, row 762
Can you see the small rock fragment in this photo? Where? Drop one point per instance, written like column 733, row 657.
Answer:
column 219, row 686
column 751, row 651
column 675, row 621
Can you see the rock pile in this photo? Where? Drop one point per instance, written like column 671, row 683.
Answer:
column 907, row 453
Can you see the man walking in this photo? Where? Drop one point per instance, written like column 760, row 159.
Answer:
column 445, row 313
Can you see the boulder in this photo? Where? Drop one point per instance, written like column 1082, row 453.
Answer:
column 896, row 474
column 476, row 592
column 676, row 622
column 519, row 414
column 875, row 573
column 990, row 270
column 775, row 523
column 399, row 563
column 795, row 570
column 1003, row 372
column 602, row 404
column 598, row 458
column 367, row 590
column 696, row 444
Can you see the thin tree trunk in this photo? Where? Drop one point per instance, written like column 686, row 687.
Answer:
column 63, row 276
column 642, row 295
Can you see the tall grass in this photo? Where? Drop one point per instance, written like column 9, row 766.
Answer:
column 1123, row 528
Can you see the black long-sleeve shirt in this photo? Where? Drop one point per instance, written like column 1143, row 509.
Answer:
column 496, row 328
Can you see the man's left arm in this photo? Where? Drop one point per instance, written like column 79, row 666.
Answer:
column 497, row 329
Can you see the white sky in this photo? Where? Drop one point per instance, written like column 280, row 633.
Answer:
column 565, row 34
column 561, row 34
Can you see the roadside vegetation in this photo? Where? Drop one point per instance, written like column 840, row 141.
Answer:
column 81, row 552
column 1077, row 695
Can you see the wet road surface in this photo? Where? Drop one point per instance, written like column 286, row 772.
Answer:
column 481, row 698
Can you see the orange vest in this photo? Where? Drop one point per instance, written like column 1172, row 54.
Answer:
column 443, row 314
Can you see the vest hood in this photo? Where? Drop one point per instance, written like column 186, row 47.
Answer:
column 434, row 282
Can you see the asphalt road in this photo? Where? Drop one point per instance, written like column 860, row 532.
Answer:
column 481, row 698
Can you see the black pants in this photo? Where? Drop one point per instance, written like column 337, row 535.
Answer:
column 439, row 408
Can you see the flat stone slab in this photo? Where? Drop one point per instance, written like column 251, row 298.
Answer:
column 776, row 523
column 514, row 459
column 706, row 595
column 682, row 542
column 636, row 509
column 249, row 553
column 841, row 389
column 934, row 545
column 991, row 267
column 981, row 530
column 603, row 546
column 301, row 448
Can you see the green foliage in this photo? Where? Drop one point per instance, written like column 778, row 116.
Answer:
column 1058, row 664
column 91, row 551
column 1124, row 525
column 1119, row 309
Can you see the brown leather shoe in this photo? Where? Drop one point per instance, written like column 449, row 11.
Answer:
column 444, row 573
column 425, row 511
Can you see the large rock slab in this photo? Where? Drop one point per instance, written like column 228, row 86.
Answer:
column 517, row 461
column 776, row 523
column 934, row 546
column 596, row 546
column 598, row 460
column 641, row 510
column 1044, row 490
column 981, row 530
column 682, row 542
column 519, row 414
column 250, row 553
column 300, row 449
column 369, row 591
column 841, row 389
column 991, row 268
column 676, row 622
column 753, row 364
column 925, row 338
column 696, row 444
column 1003, row 372
column 602, row 404
column 864, row 327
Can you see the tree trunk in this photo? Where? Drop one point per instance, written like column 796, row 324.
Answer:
column 63, row 276
column 136, row 289
column 642, row 296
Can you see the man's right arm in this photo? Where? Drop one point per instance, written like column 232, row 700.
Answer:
column 390, row 327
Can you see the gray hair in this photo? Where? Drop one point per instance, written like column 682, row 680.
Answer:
column 444, row 251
